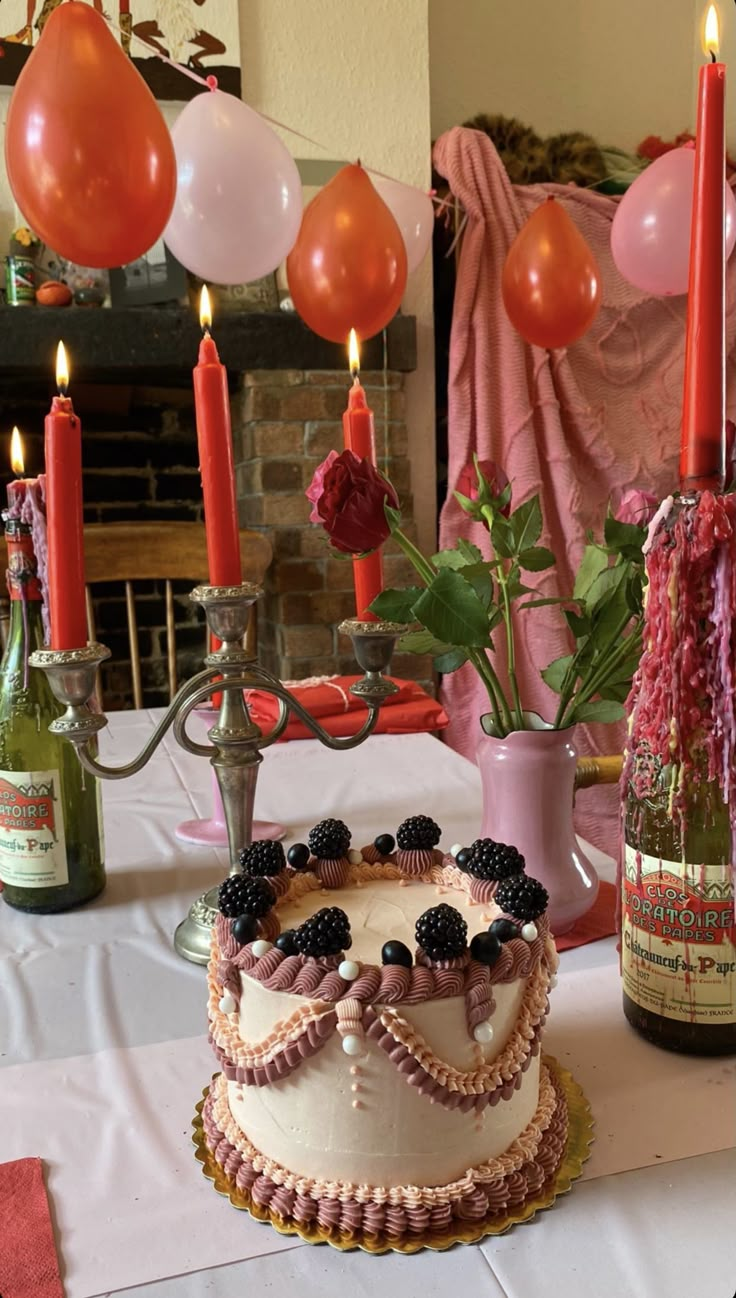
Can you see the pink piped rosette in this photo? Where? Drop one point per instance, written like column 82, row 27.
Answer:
column 332, row 872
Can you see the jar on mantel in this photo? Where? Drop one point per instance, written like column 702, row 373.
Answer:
column 678, row 937
column 51, row 840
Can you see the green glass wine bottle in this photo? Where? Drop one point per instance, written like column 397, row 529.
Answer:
column 678, row 933
column 51, row 836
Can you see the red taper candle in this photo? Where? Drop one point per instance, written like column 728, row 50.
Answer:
column 63, row 451
column 359, row 437
column 212, row 410
column 703, row 442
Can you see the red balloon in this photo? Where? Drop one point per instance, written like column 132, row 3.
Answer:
column 89, row 156
column 551, row 283
column 347, row 269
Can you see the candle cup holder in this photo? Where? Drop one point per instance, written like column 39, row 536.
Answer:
column 236, row 743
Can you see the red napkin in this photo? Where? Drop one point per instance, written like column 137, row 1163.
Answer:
column 328, row 699
column 28, row 1264
column 599, row 922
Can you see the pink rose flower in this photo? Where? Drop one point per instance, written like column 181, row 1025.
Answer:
column 467, row 483
column 636, row 507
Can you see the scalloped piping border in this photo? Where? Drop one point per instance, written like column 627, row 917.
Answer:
column 491, row 1188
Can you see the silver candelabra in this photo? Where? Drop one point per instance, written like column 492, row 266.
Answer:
column 236, row 743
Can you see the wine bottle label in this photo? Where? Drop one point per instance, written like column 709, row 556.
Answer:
column 678, row 957
column 32, row 839
column 22, row 572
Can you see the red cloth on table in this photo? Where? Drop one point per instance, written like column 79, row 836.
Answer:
column 28, row 1263
column 329, row 700
column 599, row 922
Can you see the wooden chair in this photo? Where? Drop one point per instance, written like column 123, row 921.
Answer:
column 598, row 770
column 129, row 552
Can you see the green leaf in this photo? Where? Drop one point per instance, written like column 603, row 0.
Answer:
column 578, row 623
column 448, row 559
column 594, row 561
column 555, row 674
column 600, row 710
column 607, row 585
column 526, row 525
column 422, row 642
column 452, row 611
column 397, row 605
column 624, row 538
column 537, row 559
column 502, row 538
column 470, row 552
column 541, row 603
column 478, row 575
column 471, row 507
column 449, row 662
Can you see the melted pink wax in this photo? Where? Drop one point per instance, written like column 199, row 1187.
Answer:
column 682, row 704
column 29, row 506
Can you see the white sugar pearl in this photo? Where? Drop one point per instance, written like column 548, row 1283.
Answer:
column 354, row 856
column 227, row 1003
column 529, row 932
column 352, row 1045
column 261, row 947
column 348, row 970
column 553, row 980
column 483, row 1033
column 456, row 847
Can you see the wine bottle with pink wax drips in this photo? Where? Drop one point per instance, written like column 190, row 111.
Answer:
column 678, row 940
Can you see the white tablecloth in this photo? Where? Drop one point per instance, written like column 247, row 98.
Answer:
column 105, row 979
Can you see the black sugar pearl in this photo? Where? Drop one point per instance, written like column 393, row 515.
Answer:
column 504, row 929
column 384, row 843
column 244, row 929
column 486, row 948
column 298, row 856
column 463, row 858
column 395, row 952
column 286, row 943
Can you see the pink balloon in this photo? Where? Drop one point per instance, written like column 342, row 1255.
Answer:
column 413, row 212
column 238, row 202
column 650, row 235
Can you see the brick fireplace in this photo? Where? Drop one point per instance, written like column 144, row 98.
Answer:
column 140, row 463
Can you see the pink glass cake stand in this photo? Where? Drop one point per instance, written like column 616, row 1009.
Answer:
column 211, row 831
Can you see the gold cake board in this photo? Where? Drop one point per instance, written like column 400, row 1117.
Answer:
column 577, row 1150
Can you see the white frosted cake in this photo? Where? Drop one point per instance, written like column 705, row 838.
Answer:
column 377, row 1018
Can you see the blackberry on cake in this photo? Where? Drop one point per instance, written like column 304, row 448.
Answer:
column 298, row 856
column 418, row 834
column 441, row 932
column 325, row 933
column 263, row 857
column 241, row 895
column 493, row 861
column 329, row 840
column 523, row 897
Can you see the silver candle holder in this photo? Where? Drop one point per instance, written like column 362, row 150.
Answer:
column 236, row 743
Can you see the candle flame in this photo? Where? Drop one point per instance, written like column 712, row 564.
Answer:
column 711, row 31
column 17, row 463
column 205, row 308
column 62, row 369
column 354, row 353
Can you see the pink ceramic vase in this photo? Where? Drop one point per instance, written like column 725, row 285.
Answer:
column 528, row 781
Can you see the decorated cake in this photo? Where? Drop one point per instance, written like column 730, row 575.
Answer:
column 377, row 1015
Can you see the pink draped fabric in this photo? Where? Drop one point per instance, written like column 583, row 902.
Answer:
column 576, row 425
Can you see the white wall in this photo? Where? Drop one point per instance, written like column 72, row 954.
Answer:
column 618, row 69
